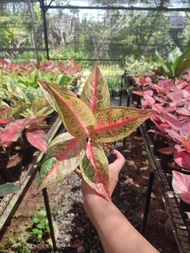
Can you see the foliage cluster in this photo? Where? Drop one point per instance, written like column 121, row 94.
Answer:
column 167, row 92
column 16, row 245
column 23, row 108
column 40, row 230
column 37, row 231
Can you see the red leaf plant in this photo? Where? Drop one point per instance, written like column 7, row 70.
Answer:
column 181, row 185
column 89, row 121
column 171, row 101
column 25, row 68
column 4, row 120
column 16, row 130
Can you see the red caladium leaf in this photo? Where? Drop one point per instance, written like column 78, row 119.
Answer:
column 182, row 159
column 94, row 168
column 75, row 114
column 4, row 121
column 116, row 123
column 181, row 185
column 172, row 121
column 183, row 111
column 167, row 150
column 186, row 144
column 96, row 92
column 148, row 100
column 185, row 131
column 38, row 139
column 14, row 130
column 176, row 95
column 64, row 154
column 174, row 135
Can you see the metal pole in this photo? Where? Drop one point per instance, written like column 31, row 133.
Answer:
column 44, row 9
column 49, row 216
column 121, row 90
column 147, row 204
column 34, row 40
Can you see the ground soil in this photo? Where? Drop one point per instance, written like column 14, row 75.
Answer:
column 76, row 234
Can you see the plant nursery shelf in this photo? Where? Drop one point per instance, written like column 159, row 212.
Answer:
column 169, row 198
column 8, row 202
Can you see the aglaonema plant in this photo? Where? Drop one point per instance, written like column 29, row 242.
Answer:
column 89, row 121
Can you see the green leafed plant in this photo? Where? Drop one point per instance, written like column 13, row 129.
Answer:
column 176, row 64
column 6, row 189
column 40, row 228
column 89, row 121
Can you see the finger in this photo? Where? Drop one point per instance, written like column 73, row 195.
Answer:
column 118, row 155
column 119, row 161
column 78, row 172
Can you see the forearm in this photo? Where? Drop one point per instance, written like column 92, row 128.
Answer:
column 115, row 231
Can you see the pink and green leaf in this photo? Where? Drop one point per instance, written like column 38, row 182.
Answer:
column 115, row 123
column 94, row 168
column 186, row 144
column 182, row 158
column 64, row 154
column 172, row 121
column 75, row 114
column 184, row 131
column 38, row 139
column 181, row 185
column 96, row 92
column 14, row 129
column 5, row 121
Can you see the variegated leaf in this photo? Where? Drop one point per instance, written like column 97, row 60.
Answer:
column 63, row 156
column 38, row 139
column 14, row 129
column 186, row 144
column 96, row 92
column 75, row 114
column 94, row 168
column 182, row 158
column 118, row 122
column 180, row 184
column 6, row 189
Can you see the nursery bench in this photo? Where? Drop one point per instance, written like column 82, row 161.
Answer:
column 170, row 200
column 8, row 202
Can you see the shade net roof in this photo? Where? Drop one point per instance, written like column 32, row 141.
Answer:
column 96, row 30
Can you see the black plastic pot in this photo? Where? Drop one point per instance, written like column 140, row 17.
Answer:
column 11, row 173
column 159, row 142
column 27, row 153
column 164, row 159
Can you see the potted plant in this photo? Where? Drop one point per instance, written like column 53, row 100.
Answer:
column 89, row 121
column 6, row 189
column 176, row 64
column 19, row 130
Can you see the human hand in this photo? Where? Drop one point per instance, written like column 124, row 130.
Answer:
column 114, row 169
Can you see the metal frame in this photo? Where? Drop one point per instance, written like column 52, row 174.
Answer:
column 44, row 8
